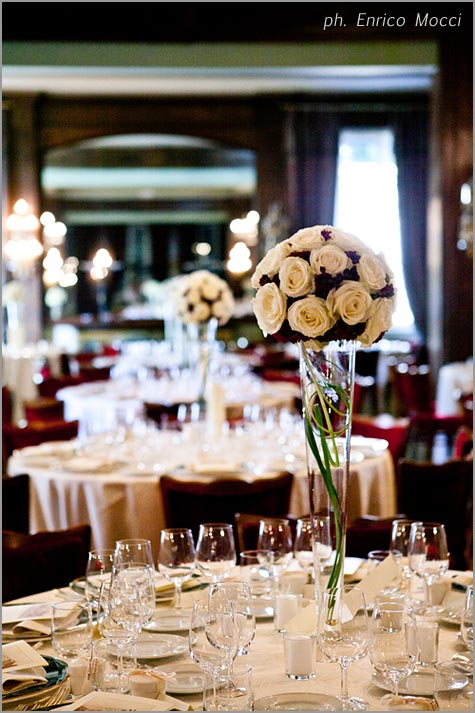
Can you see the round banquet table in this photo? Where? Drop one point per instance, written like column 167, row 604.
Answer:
column 114, row 486
column 267, row 646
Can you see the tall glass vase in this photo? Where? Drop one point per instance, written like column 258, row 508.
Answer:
column 202, row 349
column 327, row 380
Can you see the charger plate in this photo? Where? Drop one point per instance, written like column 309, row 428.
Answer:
column 53, row 693
column 298, row 702
column 419, row 683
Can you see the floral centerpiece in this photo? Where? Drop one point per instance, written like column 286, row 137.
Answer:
column 327, row 291
column 202, row 300
column 202, row 295
column 14, row 298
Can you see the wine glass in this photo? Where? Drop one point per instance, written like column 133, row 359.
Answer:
column 343, row 634
column 393, row 647
column 303, row 546
column 134, row 550
column 238, row 593
column 177, row 557
column 275, row 535
column 216, row 550
column 399, row 541
column 428, row 556
column 209, row 658
column 133, row 594
column 466, row 621
column 99, row 568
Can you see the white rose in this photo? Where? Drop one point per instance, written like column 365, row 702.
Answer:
column 307, row 238
column 330, row 257
column 270, row 308
column 210, row 290
column 372, row 272
column 193, row 295
column 380, row 320
column 310, row 316
column 201, row 312
column 351, row 301
column 345, row 241
column 296, row 277
column 270, row 263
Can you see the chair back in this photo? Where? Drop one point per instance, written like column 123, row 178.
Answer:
column 414, row 389
column 43, row 561
column 37, row 432
column 246, row 526
column 50, row 386
column 188, row 504
column 16, row 502
column 369, row 533
column 44, row 409
column 7, row 405
column 393, row 430
column 441, row 493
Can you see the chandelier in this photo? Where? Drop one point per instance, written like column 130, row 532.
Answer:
column 22, row 249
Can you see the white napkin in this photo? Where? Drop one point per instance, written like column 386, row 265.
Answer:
column 30, row 619
column 101, row 701
column 22, row 667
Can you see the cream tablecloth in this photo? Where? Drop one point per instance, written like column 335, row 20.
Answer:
column 115, row 486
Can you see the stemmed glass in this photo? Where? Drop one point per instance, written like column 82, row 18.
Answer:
column 275, row 536
column 466, row 621
column 98, row 569
column 209, row 658
column 132, row 595
column 393, row 647
column 399, row 542
column 216, row 550
column 238, row 595
column 177, row 557
column 134, row 550
column 428, row 556
column 343, row 634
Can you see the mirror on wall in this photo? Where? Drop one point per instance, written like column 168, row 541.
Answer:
column 159, row 204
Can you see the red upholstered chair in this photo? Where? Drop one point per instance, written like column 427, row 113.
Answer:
column 44, row 409
column 43, row 561
column 37, row 432
column 50, row 386
column 88, row 372
column 393, row 430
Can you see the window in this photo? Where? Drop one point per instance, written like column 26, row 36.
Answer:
column 366, row 203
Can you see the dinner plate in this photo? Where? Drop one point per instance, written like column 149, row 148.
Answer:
column 188, row 678
column 419, row 683
column 451, row 617
column 160, row 646
column 169, row 621
column 263, row 607
column 298, row 702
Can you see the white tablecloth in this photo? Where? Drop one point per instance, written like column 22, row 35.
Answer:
column 266, row 656
column 453, row 380
column 125, row 502
column 19, row 368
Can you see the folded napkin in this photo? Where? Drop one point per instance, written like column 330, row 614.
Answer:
column 22, row 667
column 102, row 701
column 28, row 620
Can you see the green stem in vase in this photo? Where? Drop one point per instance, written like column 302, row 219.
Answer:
column 321, row 406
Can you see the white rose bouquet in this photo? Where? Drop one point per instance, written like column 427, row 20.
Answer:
column 320, row 285
column 324, row 287
column 202, row 295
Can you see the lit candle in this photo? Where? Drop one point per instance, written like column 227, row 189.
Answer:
column 286, row 607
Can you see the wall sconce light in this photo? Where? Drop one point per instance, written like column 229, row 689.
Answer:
column 57, row 270
column 239, row 259
column 246, row 229
column 465, row 228
column 22, row 248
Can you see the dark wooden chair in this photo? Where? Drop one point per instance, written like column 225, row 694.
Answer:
column 7, row 405
column 441, row 493
column 37, row 432
column 44, row 409
column 50, row 386
column 16, row 502
column 246, row 526
column 43, row 561
column 188, row 504
column 369, row 533
column 164, row 415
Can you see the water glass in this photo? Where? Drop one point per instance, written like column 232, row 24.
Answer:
column 229, row 693
column 111, row 662
column 71, row 629
column 256, row 569
column 466, row 621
